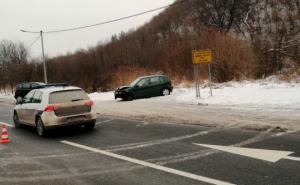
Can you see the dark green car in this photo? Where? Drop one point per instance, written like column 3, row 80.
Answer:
column 144, row 87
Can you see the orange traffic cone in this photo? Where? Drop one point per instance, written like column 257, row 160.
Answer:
column 4, row 135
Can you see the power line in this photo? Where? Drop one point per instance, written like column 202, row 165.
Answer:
column 33, row 42
column 110, row 21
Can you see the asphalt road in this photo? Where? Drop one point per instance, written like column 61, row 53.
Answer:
column 126, row 152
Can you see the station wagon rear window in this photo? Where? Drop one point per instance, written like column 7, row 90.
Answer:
column 67, row 96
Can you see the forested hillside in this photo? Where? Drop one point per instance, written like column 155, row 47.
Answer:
column 249, row 39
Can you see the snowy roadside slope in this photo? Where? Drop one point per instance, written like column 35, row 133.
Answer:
column 7, row 99
column 258, row 104
column 282, row 95
column 258, row 94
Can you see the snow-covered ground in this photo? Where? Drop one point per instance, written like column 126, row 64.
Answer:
column 7, row 98
column 252, row 104
column 257, row 93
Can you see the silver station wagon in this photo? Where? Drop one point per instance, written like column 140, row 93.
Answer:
column 53, row 107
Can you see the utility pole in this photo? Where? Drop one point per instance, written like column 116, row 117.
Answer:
column 44, row 62
column 43, row 53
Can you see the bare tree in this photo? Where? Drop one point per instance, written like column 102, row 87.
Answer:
column 12, row 57
column 221, row 14
column 274, row 29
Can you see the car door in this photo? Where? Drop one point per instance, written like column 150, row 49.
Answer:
column 22, row 109
column 155, row 85
column 33, row 107
column 141, row 89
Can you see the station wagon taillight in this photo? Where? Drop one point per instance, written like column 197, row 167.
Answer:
column 50, row 108
column 90, row 103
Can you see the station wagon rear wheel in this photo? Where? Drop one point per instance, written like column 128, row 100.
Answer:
column 165, row 92
column 16, row 120
column 90, row 126
column 40, row 128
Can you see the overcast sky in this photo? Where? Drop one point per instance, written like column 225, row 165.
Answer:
column 46, row 15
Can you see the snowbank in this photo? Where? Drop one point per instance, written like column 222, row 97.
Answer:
column 260, row 104
column 7, row 98
column 105, row 96
column 261, row 93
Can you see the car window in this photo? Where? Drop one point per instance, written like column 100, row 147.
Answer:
column 161, row 80
column 154, row 80
column 19, row 86
column 143, row 82
column 26, row 86
column 37, row 97
column 134, row 82
column 34, row 85
column 67, row 96
column 164, row 79
column 28, row 97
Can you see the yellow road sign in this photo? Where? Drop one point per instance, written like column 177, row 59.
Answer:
column 202, row 56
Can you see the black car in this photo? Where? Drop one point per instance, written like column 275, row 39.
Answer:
column 24, row 88
column 144, row 87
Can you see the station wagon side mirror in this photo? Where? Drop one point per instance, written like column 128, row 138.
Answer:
column 19, row 100
column 136, row 86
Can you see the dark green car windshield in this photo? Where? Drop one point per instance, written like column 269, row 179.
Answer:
column 135, row 82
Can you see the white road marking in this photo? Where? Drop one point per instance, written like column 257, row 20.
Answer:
column 150, row 165
column 142, row 124
column 204, row 153
column 8, row 125
column 280, row 134
column 292, row 158
column 131, row 146
column 156, row 142
column 262, row 154
column 105, row 121
column 261, row 136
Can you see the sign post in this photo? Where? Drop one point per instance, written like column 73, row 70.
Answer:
column 209, row 73
column 196, row 77
column 201, row 56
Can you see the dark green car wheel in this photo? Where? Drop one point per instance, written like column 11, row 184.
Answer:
column 129, row 97
column 165, row 92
